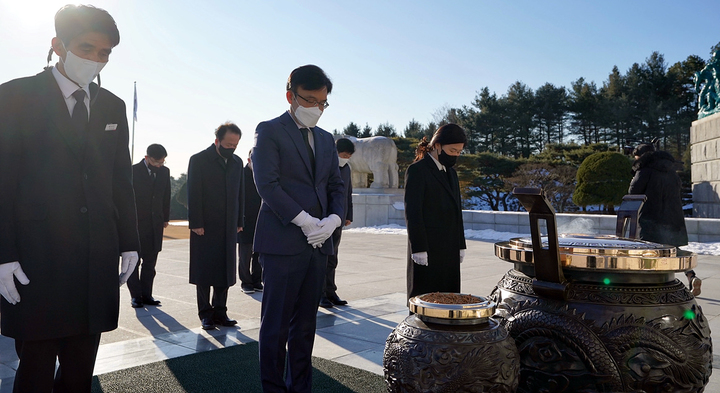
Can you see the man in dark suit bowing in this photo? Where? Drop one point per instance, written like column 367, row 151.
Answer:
column 151, row 182
column 67, row 212
column 297, row 175
column 214, row 184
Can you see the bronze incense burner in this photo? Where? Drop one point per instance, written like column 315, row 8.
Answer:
column 600, row 313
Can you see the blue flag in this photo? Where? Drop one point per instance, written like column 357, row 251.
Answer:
column 135, row 104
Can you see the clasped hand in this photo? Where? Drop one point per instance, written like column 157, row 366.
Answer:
column 326, row 227
column 8, row 272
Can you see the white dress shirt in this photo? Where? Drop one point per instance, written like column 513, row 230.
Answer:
column 67, row 88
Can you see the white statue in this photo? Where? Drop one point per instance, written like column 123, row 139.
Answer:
column 376, row 155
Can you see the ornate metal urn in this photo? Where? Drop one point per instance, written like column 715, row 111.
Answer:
column 451, row 348
column 600, row 314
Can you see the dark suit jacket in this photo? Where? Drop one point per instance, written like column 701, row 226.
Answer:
column 285, row 181
column 252, row 206
column 66, row 212
column 214, row 203
column 152, row 198
column 434, row 224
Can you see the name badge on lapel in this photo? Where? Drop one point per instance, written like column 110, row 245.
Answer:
column 110, row 127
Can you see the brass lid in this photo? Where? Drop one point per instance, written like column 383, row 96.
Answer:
column 453, row 314
column 603, row 252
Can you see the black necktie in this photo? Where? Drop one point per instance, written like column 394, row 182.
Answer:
column 304, row 132
column 80, row 115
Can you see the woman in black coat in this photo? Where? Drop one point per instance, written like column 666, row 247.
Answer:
column 661, row 217
column 433, row 214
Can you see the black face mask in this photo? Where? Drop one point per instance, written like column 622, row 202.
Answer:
column 225, row 152
column 446, row 159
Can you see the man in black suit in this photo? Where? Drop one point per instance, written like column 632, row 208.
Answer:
column 215, row 218
column 151, row 182
column 67, row 212
column 329, row 299
column 249, row 269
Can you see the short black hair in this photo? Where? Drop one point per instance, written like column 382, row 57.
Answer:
column 309, row 77
column 156, row 151
column 345, row 145
column 73, row 20
column 225, row 128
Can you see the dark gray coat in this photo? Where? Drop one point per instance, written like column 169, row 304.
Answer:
column 66, row 212
column 661, row 218
column 152, row 198
column 215, row 204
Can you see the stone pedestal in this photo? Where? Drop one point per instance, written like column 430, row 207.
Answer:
column 378, row 206
column 705, row 158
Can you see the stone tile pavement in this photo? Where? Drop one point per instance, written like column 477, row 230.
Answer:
column 370, row 275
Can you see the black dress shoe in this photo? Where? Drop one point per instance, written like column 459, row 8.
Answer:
column 136, row 302
column 337, row 301
column 207, row 324
column 224, row 321
column 325, row 303
column 150, row 301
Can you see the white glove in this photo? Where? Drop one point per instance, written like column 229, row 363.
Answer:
column 127, row 266
column 326, row 228
column 306, row 222
column 8, row 271
column 462, row 255
column 420, row 258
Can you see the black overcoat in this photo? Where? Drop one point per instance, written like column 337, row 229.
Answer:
column 346, row 176
column 215, row 204
column 433, row 215
column 661, row 217
column 67, row 209
column 152, row 198
column 252, row 206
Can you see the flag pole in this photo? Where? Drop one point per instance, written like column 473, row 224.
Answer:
column 132, row 149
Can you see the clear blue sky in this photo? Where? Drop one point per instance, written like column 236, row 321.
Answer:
column 200, row 63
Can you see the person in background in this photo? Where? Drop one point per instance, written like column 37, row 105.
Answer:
column 345, row 149
column 215, row 217
column 298, row 177
column 661, row 219
column 433, row 214
column 249, row 269
column 151, row 182
column 67, row 212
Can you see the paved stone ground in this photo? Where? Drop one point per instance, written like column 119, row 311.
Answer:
column 371, row 276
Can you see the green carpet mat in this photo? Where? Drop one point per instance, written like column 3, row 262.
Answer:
column 233, row 369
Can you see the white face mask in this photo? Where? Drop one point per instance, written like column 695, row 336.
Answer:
column 343, row 161
column 79, row 70
column 307, row 117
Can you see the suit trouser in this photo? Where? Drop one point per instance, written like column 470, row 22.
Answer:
column 249, row 269
column 293, row 285
column 211, row 308
column 36, row 370
column 140, row 283
column 329, row 289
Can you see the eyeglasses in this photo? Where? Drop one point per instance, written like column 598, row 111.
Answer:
column 322, row 105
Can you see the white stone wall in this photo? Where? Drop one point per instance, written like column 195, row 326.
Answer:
column 705, row 158
column 374, row 207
